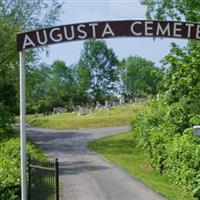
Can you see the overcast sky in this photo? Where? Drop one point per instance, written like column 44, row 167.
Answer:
column 76, row 11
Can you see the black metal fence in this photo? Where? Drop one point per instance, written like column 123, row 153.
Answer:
column 43, row 180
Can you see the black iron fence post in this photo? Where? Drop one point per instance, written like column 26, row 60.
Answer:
column 43, row 180
column 29, row 179
column 57, row 178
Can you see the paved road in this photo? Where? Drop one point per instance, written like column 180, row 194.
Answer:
column 84, row 175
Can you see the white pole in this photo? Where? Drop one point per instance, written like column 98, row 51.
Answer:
column 23, row 124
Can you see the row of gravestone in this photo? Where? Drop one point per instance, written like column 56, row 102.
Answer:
column 81, row 110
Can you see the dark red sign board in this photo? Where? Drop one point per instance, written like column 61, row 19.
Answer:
column 107, row 29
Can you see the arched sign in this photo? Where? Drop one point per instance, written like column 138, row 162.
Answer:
column 107, row 29
column 89, row 30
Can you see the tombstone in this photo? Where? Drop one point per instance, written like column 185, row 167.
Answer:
column 121, row 100
column 107, row 105
column 131, row 101
column 81, row 111
column 98, row 105
column 92, row 108
column 87, row 106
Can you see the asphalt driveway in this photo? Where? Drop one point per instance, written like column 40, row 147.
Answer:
column 85, row 175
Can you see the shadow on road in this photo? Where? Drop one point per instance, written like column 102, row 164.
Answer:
column 72, row 168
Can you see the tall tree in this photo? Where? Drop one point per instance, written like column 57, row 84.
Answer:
column 102, row 63
column 174, row 9
column 17, row 16
column 182, row 78
column 140, row 77
column 61, row 86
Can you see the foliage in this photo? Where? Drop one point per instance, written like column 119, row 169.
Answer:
column 57, row 85
column 172, row 151
column 17, row 16
column 10, row 184
column 174, row 9
column 102, row 63
column 6, row 121
column 165, row 130
column 140, row 77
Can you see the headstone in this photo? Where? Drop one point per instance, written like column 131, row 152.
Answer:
column 36, row 115
column 92, row 108
column 121, row 100
column 81, row 111
column 131, row 101
column 98, row 105
column 107, row 105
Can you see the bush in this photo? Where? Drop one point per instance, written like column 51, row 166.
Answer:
column 163, row 133
column 183, row 162
column 6, row 120
column 10, row 183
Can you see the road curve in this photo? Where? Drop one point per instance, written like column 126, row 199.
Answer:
column 84, row 175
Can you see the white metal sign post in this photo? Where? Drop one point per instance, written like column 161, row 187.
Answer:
column 89, row 30
column 23, row 124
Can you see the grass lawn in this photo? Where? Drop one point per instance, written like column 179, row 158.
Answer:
column 116, row 116
column 120, row 149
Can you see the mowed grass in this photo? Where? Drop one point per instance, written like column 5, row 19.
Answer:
column 116, row 116
column 121, row 150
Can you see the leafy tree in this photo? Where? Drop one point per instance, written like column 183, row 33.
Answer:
column 36, row 87
column 53, row 86
column 174, row 9
column 82, row 78
column 140, row 77
column 102, row 64
column 167, row 128
column 17, row 16
column 181, row 81
column 61, row 85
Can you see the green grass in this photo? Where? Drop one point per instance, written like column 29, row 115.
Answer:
column 116, row 116
column 121, row 150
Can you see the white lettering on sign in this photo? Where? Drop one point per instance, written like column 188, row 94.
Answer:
column 148, row 28
column 59, row 35
column 67, row 37
column 39, row 39
column 189, row 27
column 163, row 31
column 27, row 42
column 198, row 32
column 93, row 25
column 107, row 30
column 177, row 29
column 80, row 30
column 132, row 28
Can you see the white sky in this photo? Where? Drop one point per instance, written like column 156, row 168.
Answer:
column 77, row 11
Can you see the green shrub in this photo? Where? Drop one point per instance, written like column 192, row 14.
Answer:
column 183, row 162
column 163, row 133
column 10, row 183
column 6, row 120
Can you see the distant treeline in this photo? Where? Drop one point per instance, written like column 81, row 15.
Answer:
column 98, row 76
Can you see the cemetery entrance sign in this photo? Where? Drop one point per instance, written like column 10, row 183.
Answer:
column 107, row 29
column 89, row 30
